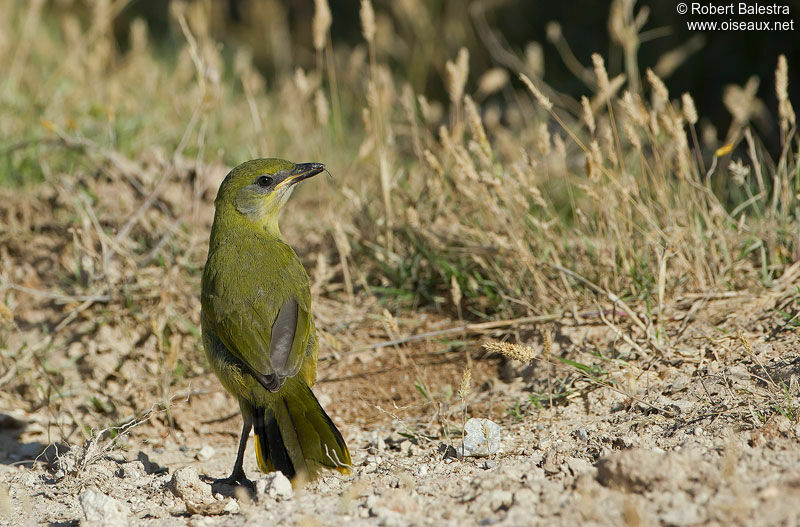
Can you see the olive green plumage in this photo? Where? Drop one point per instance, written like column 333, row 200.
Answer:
column 258, row 331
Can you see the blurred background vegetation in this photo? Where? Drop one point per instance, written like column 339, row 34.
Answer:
column 457, row 185
column 416, row 38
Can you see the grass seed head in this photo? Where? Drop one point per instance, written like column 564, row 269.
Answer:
column 632, row 134
column 512, row 351
column 660, row 91
column 475, row 124
column 321, row 23
column 588, row 115
column 493, row 80
column 456, row 74
column 367, row 21
column 547, row 344
column 540, row 97
column 601, row 73
column 785, row 109
column 689, row 109
column 465, row 385
column 782, row 79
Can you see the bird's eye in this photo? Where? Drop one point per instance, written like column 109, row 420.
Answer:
column 264, row 181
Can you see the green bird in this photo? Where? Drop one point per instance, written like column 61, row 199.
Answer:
column 258, row 331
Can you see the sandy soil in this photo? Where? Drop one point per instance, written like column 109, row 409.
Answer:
column 703, row 434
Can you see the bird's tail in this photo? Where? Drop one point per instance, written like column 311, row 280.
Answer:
column 296, row 436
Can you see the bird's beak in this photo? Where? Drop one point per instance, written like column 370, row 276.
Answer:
column 300, row 172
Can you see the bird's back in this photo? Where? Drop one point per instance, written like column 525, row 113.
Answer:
column 248, row 277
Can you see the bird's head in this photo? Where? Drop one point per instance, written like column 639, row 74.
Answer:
column 258, row 189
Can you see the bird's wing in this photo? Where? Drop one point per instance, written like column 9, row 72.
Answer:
column 266, row 329
column 289, row 339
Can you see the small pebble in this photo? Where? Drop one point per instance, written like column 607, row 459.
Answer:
column 232, row 507
column 205, row 453
column 275, row 485
column 489, row 464
column 582, row 434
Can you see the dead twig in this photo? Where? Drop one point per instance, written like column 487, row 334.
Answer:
column 466, row 328
column 58, row 297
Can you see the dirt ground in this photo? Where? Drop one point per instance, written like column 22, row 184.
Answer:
column 704, row 434
column 108, row 415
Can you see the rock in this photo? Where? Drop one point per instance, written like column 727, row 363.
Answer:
column 489, row 464
column 275, row 485
column 552, row 462
column 482, row 438
column 99, row 509
column 186, row 484
column 205, row 453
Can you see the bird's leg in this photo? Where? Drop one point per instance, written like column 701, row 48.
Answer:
column 238, row 477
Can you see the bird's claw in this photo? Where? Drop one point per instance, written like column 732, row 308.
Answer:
column 237, row 479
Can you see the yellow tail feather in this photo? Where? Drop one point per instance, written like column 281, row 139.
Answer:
column 265, row 465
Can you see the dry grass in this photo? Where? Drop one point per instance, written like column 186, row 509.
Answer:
column 506, row 199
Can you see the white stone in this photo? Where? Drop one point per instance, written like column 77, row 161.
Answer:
column 482, row 438
column 99, row 509
column 206, row 453
column 231, row 507
column 275, row 485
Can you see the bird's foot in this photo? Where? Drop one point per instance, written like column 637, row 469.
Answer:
column 237, row 478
